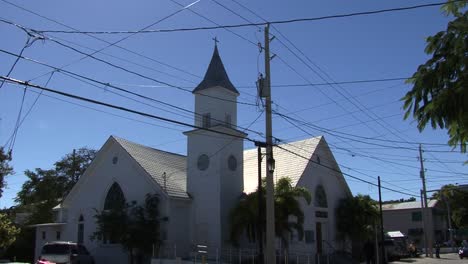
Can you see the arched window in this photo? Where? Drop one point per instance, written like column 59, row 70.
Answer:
column 320, row 197
column 115, row 198
column 80, row 239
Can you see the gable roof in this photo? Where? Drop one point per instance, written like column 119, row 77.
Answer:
column 287, row 164
column 216, row 75
column 157, row 162
column 407, row 205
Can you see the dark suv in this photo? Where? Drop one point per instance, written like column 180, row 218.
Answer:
column 62, row 252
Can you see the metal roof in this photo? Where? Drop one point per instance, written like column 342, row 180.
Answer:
column 407, row 205
column 216, row 75
column 157, row 162
column 287, row 164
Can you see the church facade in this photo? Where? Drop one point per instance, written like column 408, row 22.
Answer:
column 198, row 191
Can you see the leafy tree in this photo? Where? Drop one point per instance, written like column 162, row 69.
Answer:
column 8, row 231
column 244, row 216
column 44, row 189
column 5, row 168
column 135, row 227
column 40, row 193
column 440, row 86
column 456, row 198
column 356, row 217
column 74, row 164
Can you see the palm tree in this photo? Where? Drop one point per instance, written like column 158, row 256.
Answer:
column 356, row 217
column 288, row 212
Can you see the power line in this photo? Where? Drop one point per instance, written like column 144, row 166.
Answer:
column 348, row 136
column 100, row 39
column 28, row 112
column 274, row 22
column 217, row 24
column 344, row 173
column 165, row 120
column 168, row 120
column 292, row 84
column 15, row 130
column 16, row 61
column 105, row 84
column 321, row 70
column 373, row 157
column 124, row 69
column 352, row 169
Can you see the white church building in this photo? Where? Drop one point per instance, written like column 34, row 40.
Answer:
column 198, row 191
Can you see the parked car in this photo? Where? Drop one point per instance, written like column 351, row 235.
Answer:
column 62, row 252
column 397, row 246
column 463, row 252
column 393, row 250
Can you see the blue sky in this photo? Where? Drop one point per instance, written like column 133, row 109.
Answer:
column 357, row 48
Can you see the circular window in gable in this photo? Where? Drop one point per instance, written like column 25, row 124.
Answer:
column 232, row 163
column 203, row 162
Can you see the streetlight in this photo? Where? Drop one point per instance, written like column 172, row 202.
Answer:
column 271, row 165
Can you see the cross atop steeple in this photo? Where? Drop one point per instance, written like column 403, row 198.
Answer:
column 216, row 41
column 215, row 74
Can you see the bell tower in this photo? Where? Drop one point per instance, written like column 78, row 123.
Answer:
column 214, row 156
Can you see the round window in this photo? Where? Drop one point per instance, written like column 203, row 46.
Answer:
column 232, row 163
column 203, row 162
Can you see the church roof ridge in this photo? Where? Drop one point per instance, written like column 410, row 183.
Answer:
column 144, row 146
column 216, row 75
column 158, row 163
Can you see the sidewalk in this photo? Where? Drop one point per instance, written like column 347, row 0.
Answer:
column 444, row 258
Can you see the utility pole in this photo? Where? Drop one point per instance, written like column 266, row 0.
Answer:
column 423, row 223
column 449, row 218
column 270, row 206
column 74, row 167
column 427, row 230
column 382, row 245
column 260, row 145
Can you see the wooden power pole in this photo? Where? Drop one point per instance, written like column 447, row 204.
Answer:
column 270, row 255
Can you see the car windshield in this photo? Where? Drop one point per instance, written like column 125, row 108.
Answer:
column 56, row 249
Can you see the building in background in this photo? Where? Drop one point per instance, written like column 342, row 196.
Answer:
column 407, row 218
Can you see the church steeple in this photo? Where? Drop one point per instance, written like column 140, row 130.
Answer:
column 215, row 75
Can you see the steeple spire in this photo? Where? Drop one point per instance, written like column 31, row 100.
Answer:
column 216, row 75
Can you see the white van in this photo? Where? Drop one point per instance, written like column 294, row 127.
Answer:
column 62, row 252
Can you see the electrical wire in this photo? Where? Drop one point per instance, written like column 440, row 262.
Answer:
column 28, row 112
column 344, row 173
column 168, row 120
column 274, row 22
column 105, row 84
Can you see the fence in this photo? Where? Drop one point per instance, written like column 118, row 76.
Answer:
column 204, row 254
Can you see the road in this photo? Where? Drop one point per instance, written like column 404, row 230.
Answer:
column 451, row 258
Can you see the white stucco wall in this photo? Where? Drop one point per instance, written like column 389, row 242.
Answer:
column 46, row 234
column 207, row 103
column 214, row 190
column 90, row 192
column 335, row 189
